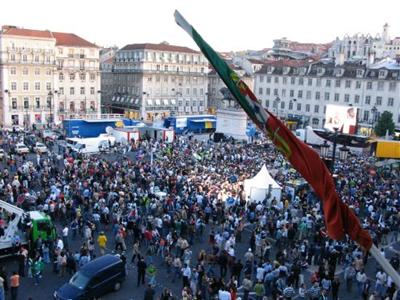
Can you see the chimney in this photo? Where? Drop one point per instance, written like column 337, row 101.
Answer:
column 339, row 61
column 6, row 27
column 371, row 58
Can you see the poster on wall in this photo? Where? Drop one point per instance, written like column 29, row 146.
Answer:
column 342, row 117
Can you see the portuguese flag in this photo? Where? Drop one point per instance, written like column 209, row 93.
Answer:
column 339, row 218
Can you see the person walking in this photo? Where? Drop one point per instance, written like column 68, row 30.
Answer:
column 102, row 242
column 141, row 270
column 2, row 294
column 14, row 284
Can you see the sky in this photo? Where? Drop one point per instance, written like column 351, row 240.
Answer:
column 228, row 25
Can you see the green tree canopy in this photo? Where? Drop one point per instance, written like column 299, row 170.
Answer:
column 385, row 123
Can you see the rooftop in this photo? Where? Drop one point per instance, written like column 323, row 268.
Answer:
column 159, row 47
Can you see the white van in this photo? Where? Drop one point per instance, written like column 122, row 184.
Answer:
column 93, row 145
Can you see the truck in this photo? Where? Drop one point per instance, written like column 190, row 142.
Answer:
column 91, row 145
column 23, row 227
column 386, row 149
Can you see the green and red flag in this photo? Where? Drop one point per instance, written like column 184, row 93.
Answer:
column 339, row 218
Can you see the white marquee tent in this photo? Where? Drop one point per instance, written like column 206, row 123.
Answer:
column 258, row 187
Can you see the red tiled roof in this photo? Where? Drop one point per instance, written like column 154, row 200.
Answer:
column 159, row 47
column 62, row 39
column 71, row 39
column 27, row 32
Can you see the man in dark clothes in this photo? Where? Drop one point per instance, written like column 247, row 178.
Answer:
column 149, row 293
column 141, row 265
column 237, row 269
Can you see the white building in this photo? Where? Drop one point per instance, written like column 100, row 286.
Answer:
column 38, row 69
column 360, row 46
column 153, row 81
column 299, row 91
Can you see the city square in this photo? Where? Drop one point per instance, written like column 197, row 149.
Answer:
column 158, row 170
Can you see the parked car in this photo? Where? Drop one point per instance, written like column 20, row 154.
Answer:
column 94, row 279
column 20, row 148
column 48, row 134
column 40, row 148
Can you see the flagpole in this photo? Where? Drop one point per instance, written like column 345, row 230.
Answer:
column 386, row 266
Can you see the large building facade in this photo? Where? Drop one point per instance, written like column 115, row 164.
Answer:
column 46, row 76
column 300, row 91
column 154, row 81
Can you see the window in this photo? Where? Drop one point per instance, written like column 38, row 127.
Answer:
column 82, row 76
column 25, row 71
column 348, row 84
column 13, row 71
column 266, row 103
column 284, row 80
column 366, row 115
column 337, row 96
column 276, row 79
column 307, row 107
column 369, row 85
column 291, row 94
column 346, row 98
column 368, row 100
column 61, row 76
column 392, row 86
column 301, row 81
column 82, row 90
column 37, row 102
column 166, row 68
column 292, row 80
column 283, row 93
column 316, row 108
column 309, row 81
column 61, row 91
column 300, row 94
column 276, row 92
column 381, row 85
column 337, row 83
column 13, row 86
column 290, row 105
column 157, row 78
column 268, row 79
column 26, row 103
column 358, row 84
column 318, row 82
column 357, row 99
column 195, row 91
column 308, row 95
column 268, row 91
column 25, row 86
column 317, row 95
column 14, row 103
column 37, row 71
column 72, row 76
column 378, row 100
column 261, row 78
column 92, row 90
column 12, row 57
column 390, row 102
column 282, row 105
column 315, row 121
column 72, row 91
column 36, row 58
column 37, row 86
column 48, row 72
column 299, row 106
column 260, row 91
column 326, row 96
column 328, row 83
column 48, row 86
column 24, row 58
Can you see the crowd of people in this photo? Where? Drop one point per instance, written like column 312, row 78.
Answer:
column 185, row 212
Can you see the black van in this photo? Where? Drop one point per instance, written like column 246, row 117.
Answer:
column 94, row 279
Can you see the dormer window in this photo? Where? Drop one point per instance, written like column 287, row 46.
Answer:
column 295, row 71
column 360, row 73
column 372, row 73
column 394, row 74
column 320, row 71
column 286, row 70
column 339, row 72
column 270, row 69
column 303, row 71
column 382, row 74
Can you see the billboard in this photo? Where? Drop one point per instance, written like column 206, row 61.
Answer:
column 342, row 117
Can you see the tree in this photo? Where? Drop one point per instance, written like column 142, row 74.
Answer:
column 385, row 123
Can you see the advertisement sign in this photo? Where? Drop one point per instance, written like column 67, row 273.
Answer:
column 342, row 117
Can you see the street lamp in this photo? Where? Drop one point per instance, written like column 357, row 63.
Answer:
column 324, row 149
column 334, row 147
column 50, row 96
column 374, row 111
column 343, row 152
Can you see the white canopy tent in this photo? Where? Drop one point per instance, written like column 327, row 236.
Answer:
column 262, row 185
